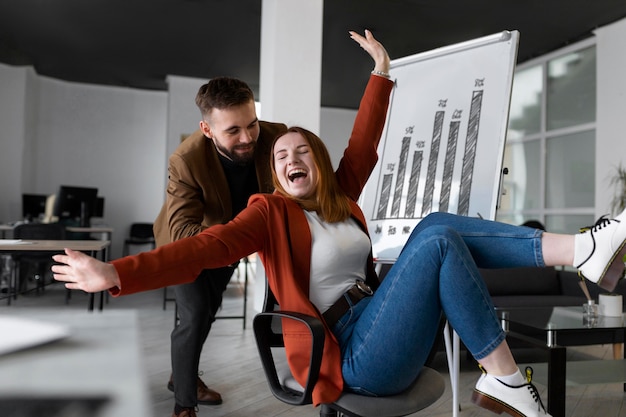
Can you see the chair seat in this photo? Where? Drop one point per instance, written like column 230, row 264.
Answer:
column 427, row 388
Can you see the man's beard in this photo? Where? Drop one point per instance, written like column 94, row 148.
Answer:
column 238, row 158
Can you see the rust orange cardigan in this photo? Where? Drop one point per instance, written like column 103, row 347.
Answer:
column 276, row 228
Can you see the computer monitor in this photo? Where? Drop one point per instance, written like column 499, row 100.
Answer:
column 33, row 206
column 98, row 210
column 76, row 203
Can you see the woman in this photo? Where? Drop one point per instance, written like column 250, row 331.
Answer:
column 311, row 237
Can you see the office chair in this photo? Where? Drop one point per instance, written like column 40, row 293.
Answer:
column 141, row 234
column 427, row 388
column 39, row 262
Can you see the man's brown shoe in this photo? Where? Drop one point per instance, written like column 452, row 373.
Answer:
column 186, row 412
column 206, row 395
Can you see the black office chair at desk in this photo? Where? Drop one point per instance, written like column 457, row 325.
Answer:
column 37, row 263
column 140, row 235
column 425, row 390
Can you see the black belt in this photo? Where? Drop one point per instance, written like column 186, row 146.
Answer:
column 356, row 293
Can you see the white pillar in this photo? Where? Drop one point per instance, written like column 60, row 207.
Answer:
column 291, row 74
column 610, row 110
column 291, row 62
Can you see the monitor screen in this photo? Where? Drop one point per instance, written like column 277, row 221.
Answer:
column 33, row 206
column 75, row 203
column 98, row 210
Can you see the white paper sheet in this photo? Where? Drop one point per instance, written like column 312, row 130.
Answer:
column 18, row 333
column 14, row 242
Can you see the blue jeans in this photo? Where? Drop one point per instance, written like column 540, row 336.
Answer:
column 385, row 339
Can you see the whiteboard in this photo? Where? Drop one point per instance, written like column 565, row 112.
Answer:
column 443, row 142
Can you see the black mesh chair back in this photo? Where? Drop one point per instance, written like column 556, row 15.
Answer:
column 140, row 234
column 40, row 231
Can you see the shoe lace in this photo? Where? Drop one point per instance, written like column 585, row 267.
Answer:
column 533, row 389
column 603, row 221
column 534, row 392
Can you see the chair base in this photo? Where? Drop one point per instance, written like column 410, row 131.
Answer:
column 327, row 411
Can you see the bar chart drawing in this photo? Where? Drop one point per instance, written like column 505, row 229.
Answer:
column 470, row 153
column 448, row 167
column 443, row 143
column 405, row 203
column 432, row 161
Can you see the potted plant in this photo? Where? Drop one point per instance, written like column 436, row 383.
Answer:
column 618, row 182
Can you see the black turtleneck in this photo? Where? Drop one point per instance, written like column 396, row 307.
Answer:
column 242, row 182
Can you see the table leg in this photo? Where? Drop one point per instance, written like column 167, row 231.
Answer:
column 623, row 354
column 557, row 369
column 91, row 295
column 11, row 291
column 104, row 258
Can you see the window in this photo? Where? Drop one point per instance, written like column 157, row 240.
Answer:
column 550, row 150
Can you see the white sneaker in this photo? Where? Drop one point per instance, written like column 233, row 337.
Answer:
column 599, row 251
column 516, row 400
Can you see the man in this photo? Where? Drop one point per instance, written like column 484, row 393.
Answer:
column 211, row 176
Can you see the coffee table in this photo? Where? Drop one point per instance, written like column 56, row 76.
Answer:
column 555, row 328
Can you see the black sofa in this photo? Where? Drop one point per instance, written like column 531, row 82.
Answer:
column 539, row 287
column 534, row 287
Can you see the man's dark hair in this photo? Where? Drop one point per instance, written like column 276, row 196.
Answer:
column 221, row 93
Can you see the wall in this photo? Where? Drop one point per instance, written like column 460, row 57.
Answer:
column 12, row 104
column 610, row 111
column 183, row 116
column 335, row 129
column 85, row 135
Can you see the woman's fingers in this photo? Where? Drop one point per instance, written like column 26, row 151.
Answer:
column 374, row 48
column 82, row 272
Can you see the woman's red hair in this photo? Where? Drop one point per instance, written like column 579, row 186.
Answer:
column 329, row 201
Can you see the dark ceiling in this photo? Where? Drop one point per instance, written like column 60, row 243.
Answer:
column 137, row 43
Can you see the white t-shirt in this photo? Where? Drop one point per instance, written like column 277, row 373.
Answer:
column 339, row 254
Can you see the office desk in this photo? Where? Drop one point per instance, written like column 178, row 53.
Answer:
column 107, row 231
column 26, row 245
column 101, row 358
column 95, row 248
column 104, row 230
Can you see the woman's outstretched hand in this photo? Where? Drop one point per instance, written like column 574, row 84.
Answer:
column 82, row 272
column 375, row 49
